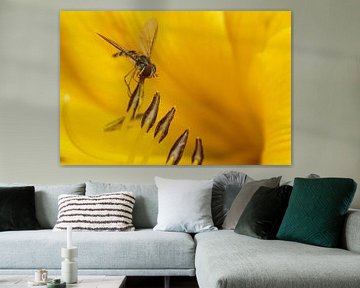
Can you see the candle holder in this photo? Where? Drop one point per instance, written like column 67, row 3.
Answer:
column 69, row 266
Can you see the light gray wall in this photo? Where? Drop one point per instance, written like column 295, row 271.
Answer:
column 326, row 91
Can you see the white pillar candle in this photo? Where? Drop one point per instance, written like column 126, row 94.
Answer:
column 69, row 237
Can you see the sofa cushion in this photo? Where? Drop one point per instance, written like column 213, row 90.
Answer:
column 225, row 189
column 184, row 205
column 105, row 212
column 137, row 250
column 263, row 214
column 243, row 198
column 317, row 209
column 46, row 200
column 17, row 208
column 350, row 239
column 225, row 259
column 291, row 182
column 146, row 205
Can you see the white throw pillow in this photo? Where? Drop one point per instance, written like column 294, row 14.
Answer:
column 184, row 205
column 105, row 212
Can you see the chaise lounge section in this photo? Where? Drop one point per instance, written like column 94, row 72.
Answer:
column 226, row 259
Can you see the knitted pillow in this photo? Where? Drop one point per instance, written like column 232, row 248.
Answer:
column 317, row 210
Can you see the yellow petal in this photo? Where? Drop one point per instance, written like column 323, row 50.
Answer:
column 274, row 64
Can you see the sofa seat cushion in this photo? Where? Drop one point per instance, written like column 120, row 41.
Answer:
column 226, row 259
column 142, row 249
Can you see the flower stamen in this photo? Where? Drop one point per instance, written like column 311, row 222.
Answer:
column 198, row 155
column 147, row 122
column 134, row 104
column 150, row 114
column 162, row 128
column 177, row 149
column 136, row 97
column 117, row 123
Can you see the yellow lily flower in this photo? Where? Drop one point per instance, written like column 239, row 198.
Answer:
column 225, row 75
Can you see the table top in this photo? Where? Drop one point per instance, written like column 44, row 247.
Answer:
column 84, row 281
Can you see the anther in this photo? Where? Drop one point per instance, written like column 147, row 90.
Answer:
column 162, row 128
column 177, row 149
column 150, row 114
column 198, row 155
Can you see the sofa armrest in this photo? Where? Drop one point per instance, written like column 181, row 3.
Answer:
column 351, row 232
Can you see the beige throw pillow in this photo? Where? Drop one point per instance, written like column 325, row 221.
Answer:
column 243, row 198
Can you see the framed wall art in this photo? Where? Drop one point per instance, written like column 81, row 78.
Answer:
column 175, row 88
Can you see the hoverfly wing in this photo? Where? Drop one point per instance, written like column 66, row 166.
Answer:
column 121, row 51
column 147, row 36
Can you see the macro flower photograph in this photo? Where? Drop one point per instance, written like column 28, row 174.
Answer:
column 175, row 88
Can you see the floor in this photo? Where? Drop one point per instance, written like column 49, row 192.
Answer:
column 158, row 282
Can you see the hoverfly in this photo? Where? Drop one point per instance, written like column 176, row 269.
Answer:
column 143, row 67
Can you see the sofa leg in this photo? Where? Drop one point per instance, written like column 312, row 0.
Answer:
column 167, row 282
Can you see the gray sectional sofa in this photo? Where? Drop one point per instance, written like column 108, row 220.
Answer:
column 218, row 258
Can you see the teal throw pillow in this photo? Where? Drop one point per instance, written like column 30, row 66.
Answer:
column 316, row 211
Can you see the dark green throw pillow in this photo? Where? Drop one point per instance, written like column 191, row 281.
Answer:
column 316, row 211
column 17, row 208
column 263, row 214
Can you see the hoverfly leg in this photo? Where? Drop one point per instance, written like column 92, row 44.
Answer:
column 118, row 54
column 127, row 79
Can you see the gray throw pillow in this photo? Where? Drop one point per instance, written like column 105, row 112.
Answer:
column 226, row 187
column 184, row 205
column 310, row 176
column 242, row 199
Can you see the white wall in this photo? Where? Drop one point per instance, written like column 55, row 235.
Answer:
column 326, row 91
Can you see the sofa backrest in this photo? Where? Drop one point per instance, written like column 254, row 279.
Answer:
column 146, row 203
column 46, row 200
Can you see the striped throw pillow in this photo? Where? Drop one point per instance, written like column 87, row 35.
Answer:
column 105, row 212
